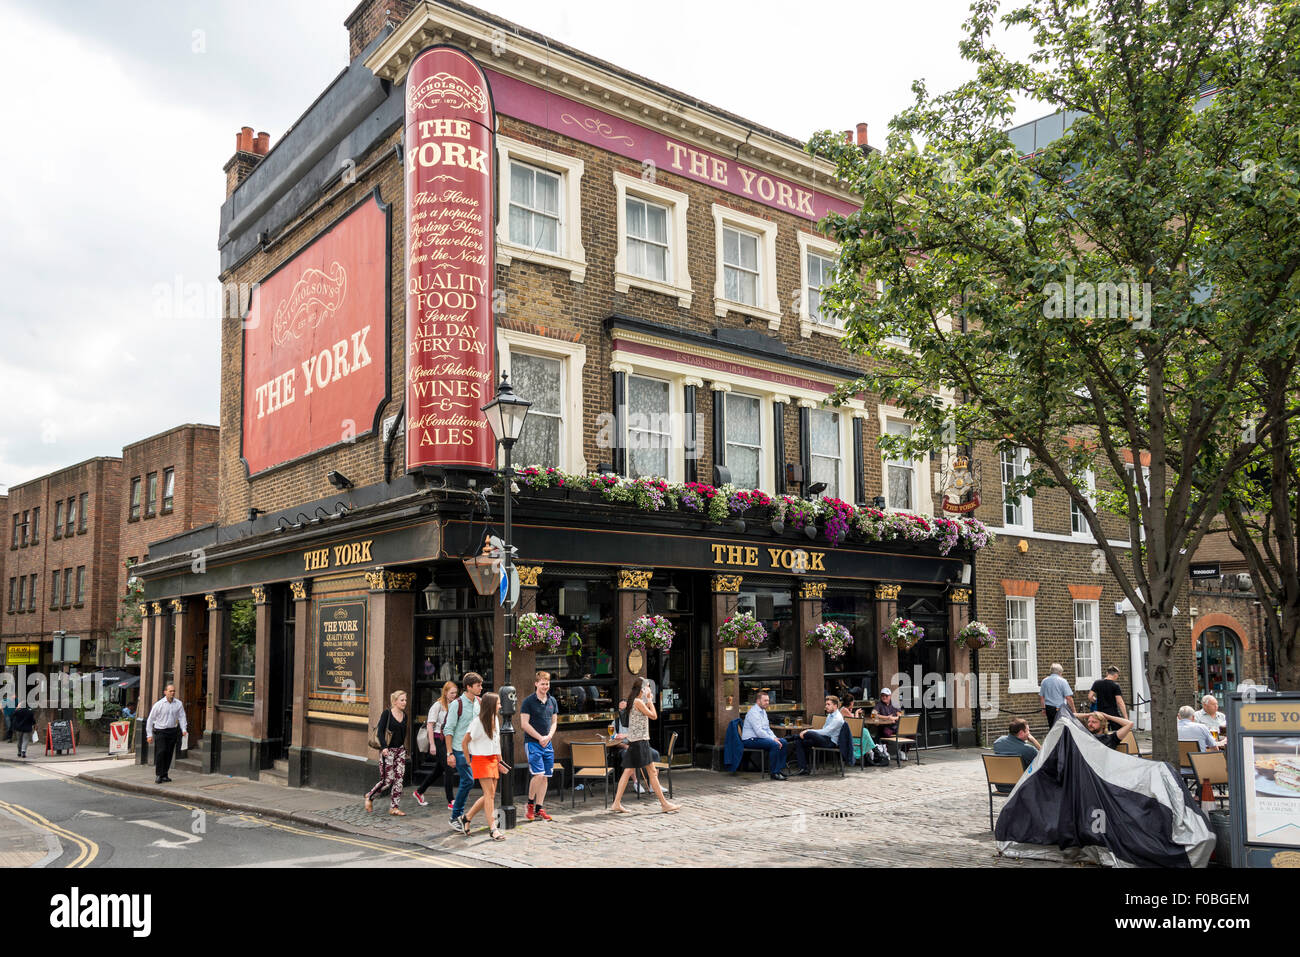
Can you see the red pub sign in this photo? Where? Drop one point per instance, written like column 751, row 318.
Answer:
column 450, row 217
column 316, row 343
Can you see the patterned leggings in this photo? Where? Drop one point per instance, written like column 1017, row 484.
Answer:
column 391, row 769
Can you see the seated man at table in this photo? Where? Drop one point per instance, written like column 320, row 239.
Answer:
column 885, row 709
column 1189, row 729
column 1019, row 743
column 757, row 733
column 827, row 737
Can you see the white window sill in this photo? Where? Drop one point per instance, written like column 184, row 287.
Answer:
column 623, row 281
column 1010, row 530
column 807, row 327
column 721, row 307
column 1022, row 687
column 1083, row 686
column 507, row 253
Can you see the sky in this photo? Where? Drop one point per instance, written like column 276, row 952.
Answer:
column 124, row 113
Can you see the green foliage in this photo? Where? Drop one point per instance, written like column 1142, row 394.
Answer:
column 127, row 632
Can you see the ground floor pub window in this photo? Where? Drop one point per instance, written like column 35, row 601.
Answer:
column 453, row 635
column 583, row 676
column 1218, row 655
column 773, row 666
column 856, row 671
column 239, row 655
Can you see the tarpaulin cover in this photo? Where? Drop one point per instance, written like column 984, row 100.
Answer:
column 1080, row 800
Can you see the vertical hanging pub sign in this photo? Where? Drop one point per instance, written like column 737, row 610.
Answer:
column 450, row 222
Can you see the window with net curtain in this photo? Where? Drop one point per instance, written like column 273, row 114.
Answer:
column 647, row 239
column 740, row 266
column 900, row 473
column 534, row 207
column 744, row 439
column 540, row 380
column 826, row 454
column 648, row 427
column 821, row 272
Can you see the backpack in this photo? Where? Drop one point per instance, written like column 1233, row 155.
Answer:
column 879, row 756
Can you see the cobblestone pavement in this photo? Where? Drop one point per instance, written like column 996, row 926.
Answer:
column 934, row 815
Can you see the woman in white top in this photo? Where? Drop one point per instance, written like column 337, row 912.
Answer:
column 437, row 768
column 483, row 746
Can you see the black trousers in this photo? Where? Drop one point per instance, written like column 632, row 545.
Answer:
column 1051, row 714
column 437, row 769
column 803, row 745
column 166, row 742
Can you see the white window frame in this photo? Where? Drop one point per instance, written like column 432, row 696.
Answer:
column 573, row 355
column 679, row 277
column 572, row 255
column 1031, row 684
column 768, row 306
column 920, row 466
column 1090, row 487
column 815, row 245
column 1026, row 504
column 843, row 416
column 1131, row 478
column 676, row 466
column 764, row 430
column 1094, row 660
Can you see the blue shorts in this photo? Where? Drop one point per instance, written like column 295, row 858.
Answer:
column 540, row 759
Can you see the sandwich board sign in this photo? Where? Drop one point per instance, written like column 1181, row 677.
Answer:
column 1264, row 777
column 119, row 737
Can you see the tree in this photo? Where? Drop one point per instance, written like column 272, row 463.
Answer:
column 128, row 632
column 1107, row 297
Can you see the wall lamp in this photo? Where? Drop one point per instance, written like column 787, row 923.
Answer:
column 816, row 488
column 339, row 480
column 254, row 512
column 282, row 525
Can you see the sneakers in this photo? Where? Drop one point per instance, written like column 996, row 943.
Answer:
column 529, row 813
column 543, row 816
column 778, row 776
column 458, row 825
column 450, row 805
column 419, row 799
column 639, row 788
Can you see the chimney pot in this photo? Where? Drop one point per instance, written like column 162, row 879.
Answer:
column 262, row 144
column 848, row 136
column 862, row 134
column 244, row 140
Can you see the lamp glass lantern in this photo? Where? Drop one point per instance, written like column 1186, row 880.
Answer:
column 506, row 413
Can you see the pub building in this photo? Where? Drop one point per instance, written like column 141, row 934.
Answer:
column 470, row 198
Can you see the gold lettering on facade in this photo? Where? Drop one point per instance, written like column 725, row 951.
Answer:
column 812, row 589
column 351, row 553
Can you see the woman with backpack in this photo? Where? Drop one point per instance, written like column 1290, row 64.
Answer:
column 640, row 712
column 482, row 744
column 390, row 738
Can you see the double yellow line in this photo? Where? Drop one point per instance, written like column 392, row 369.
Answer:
column 87, row 850
column 424, row 858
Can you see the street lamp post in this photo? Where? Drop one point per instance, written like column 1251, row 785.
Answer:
column 506, row 414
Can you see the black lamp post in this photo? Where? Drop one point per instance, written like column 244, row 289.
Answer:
column 506, row 414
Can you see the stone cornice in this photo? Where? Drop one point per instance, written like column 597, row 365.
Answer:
column 599, row 85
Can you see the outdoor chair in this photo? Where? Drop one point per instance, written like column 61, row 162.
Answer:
column 1001, row 769
column 590, row 762
column 665, row 767
column 906, row 737
column 1129, row 745
column 1211, row 767
column 1185, row 749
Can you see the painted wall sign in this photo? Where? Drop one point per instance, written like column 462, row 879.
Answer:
column 316, row 343
column 340, row 658
column 351, row 553
column 608, row 132
column 766, row 558
column 450, row 222
column 961, row 486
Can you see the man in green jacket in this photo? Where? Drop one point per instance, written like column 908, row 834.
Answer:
column 459, row 715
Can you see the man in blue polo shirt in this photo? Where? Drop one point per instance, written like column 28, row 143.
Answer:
column 539, row 715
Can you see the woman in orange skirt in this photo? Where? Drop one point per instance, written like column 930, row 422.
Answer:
column 483, row 746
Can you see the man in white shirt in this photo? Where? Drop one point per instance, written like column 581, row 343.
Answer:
column 167, row 723
column 756, row 732
column 1211, row 716
column 827, row 737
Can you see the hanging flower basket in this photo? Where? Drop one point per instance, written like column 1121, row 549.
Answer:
column 903, row 633
column 536, row 632
column 742, row 631
column 650, row 631
column 976, row 635
column 831, row 637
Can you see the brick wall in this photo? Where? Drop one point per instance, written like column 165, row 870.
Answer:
column 368, row 18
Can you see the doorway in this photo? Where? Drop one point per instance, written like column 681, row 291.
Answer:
column 279, row 712
column 927, row 669
column 673, row 671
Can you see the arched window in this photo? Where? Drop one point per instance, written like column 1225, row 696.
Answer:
column 1218, row 661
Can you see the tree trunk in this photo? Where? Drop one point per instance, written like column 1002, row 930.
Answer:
column 1164, row 700
column 1286, row 649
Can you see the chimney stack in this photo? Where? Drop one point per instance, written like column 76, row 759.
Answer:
column 368, row 20
column 848, row 137
column 248, row 153
column 862, row 134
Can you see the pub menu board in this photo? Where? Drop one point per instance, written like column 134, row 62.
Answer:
column 340, row 657
column 1264, row 777
column 450, row 217
column 58, row 737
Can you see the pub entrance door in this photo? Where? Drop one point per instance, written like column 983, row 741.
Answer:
column 279, row 712
column 926, row 665
column 672, row 675
column 446, row 646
